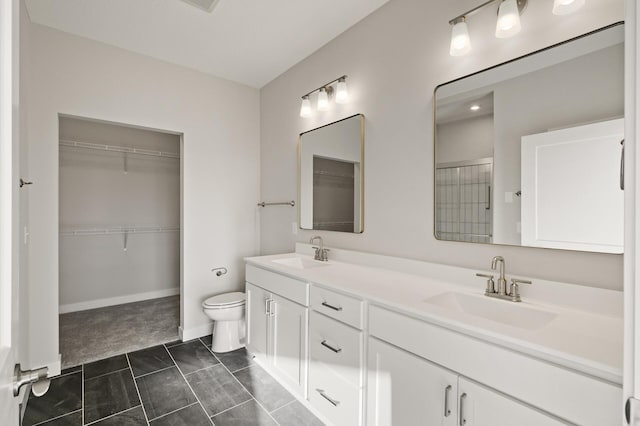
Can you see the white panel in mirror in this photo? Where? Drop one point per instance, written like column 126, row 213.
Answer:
column 331, row 180
column 480, row 121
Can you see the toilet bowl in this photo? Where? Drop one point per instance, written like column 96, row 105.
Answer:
column 227, row 312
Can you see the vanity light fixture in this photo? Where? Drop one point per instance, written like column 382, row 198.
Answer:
column 564, row 7
column 507, row 25
column 508, row 19
column 342, row 93
column 460, row 41
column 305, row 108
column 324, row 94
column 323, row 100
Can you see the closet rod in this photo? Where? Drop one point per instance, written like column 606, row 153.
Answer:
column 115, row 148
column 116, row 231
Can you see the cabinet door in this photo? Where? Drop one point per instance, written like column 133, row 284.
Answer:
column 404, row 389
column 289, row 342
column 481, row 406
column 257, row 321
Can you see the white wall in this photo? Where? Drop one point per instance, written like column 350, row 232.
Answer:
column 394, row 59
column 467, row 139
column 95, row 192
column 220, row 162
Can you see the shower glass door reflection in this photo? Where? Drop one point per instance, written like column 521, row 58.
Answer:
column 463, row 201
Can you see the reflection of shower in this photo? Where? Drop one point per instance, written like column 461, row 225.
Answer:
column 333, row 194
column 463, row 201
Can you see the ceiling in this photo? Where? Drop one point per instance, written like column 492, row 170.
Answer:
column 459, row 108
column 248, row 41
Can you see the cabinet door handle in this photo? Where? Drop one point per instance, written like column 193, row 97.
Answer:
column 622, row 166
column 447, row 411
column 267, row 304
column 272, row 308
column 331, row 348
column 462, row 421
column 328, row 398
column 335, row 308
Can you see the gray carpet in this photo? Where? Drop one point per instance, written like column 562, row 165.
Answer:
column 95, row 334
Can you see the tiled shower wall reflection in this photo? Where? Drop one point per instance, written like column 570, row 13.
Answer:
column 463, row 203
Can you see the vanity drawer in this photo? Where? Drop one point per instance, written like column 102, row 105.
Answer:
column 343, row 308
column 294, row 290
column 339, row 401
column 337, row 346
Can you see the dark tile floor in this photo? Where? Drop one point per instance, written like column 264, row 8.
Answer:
column 168, row 385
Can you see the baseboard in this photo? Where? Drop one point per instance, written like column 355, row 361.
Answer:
column 195, row 332
column 120, row 300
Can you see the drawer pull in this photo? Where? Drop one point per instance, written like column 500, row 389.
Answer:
column 447, row 411
column 331, row 348
column 335, row 308
column 266, row 306
column 462, row 420
column 328, row 398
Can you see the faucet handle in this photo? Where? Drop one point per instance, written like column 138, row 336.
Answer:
column 490, row 284
column 515, row 293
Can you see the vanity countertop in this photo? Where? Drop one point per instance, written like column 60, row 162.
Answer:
column 580, row 340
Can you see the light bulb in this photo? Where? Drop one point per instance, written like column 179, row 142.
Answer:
column 563, row 7
column 474, row 107
column 305, row 108
column 323, row 100
column 508, row 19
column 460, row 41
column 342, row 93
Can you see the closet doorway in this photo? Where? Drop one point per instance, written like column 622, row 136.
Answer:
column 119, row 241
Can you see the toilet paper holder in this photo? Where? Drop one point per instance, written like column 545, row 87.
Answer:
column 220, row 270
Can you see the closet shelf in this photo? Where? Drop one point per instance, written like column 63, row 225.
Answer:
column 115, row 148
column 116, row 231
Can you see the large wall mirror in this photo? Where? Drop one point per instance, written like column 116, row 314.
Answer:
column 331, row 176
column 529, row 152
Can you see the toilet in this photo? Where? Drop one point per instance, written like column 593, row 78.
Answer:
column 227, row 312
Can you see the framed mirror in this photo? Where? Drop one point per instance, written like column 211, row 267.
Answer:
column 331, row 176
column 528, row 152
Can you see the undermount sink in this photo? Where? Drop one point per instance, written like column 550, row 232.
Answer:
column 501, row 311
column 300, row 262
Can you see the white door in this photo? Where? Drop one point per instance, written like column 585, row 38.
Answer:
column 404, row 389
column 289, row 340
column 569, row 204
column 257, row 321
column 9, row 208
column 481, row 406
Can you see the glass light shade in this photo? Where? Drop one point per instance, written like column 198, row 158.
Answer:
column 508, row 19
column 323, row 100
column 342, row 93
column 305, row 108
column 564, row 7
column 460, row 41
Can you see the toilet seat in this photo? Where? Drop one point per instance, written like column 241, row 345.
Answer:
column 225, row 300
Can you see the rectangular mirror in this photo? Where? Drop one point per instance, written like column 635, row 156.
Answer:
column 331, row 176
column 529, row 152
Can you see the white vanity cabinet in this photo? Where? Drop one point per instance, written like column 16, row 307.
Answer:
column 404, row 389
column 336, row 361
column 277, row 325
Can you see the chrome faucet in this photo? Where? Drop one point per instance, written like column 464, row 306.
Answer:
column 502, row 281
column 321, row 252
column 513, row 293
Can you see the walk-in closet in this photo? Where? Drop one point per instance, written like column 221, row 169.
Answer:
column 119, row 238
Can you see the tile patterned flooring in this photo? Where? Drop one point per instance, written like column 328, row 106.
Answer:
column 168, row 385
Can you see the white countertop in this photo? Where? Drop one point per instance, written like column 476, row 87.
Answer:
column 581, row 340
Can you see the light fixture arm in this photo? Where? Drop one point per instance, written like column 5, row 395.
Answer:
column 327, row 86
column 521, row 6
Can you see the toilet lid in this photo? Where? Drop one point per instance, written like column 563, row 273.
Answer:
column 226, row 299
